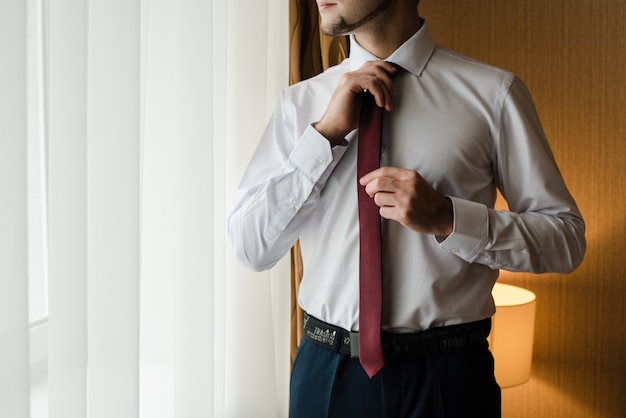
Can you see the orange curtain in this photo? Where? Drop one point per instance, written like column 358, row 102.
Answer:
column 310, row 53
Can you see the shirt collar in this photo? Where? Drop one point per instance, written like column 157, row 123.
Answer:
column 413, row 55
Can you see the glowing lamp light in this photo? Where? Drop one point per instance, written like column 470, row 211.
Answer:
column 512, row 332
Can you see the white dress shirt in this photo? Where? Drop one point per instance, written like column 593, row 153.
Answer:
column 467, row 128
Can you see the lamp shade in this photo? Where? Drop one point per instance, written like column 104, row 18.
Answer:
column 512, row 332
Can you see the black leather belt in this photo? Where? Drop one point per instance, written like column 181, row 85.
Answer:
column 401, row 346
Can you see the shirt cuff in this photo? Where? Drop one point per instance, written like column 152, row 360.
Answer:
column 471, row 229
column 314, row 156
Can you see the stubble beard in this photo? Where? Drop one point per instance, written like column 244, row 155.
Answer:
column 342, row 27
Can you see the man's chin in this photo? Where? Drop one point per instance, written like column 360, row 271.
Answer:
column 337, row 28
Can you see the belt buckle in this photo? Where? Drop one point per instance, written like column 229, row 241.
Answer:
column 354, row 344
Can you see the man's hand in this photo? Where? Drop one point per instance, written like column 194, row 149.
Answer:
column 404, row 196
column 342, row 114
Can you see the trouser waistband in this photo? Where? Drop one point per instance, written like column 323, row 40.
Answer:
column 401, row 346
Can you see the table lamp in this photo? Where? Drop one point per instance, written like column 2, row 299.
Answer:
column 512, row 331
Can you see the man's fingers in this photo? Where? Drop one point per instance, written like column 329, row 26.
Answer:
column 375, row 78
column 391, row 172
column 382, row 89
column 382, row 185
column 384, row 78
column 385, row 66
column 383, row 199
column 366, row 179
column 342, row 113
column 383, row 94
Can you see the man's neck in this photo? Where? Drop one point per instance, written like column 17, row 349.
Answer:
column 383, row 39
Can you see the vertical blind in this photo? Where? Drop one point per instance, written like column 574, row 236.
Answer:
column 14, row 340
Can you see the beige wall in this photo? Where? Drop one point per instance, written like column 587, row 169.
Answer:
column 572, row 56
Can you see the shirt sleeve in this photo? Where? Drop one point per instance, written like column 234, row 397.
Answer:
column 281, row 185
column 543, row 230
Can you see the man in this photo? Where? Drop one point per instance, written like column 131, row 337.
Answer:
column 454, row 131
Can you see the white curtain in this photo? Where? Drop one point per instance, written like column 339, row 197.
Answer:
column 153, row 108
column 14, row 338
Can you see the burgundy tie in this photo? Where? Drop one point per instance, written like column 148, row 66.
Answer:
column 370, row 265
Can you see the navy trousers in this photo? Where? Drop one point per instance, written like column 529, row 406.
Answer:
column 325, row 383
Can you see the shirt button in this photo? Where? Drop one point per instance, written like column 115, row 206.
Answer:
column 295, row 202
column 321, row 160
